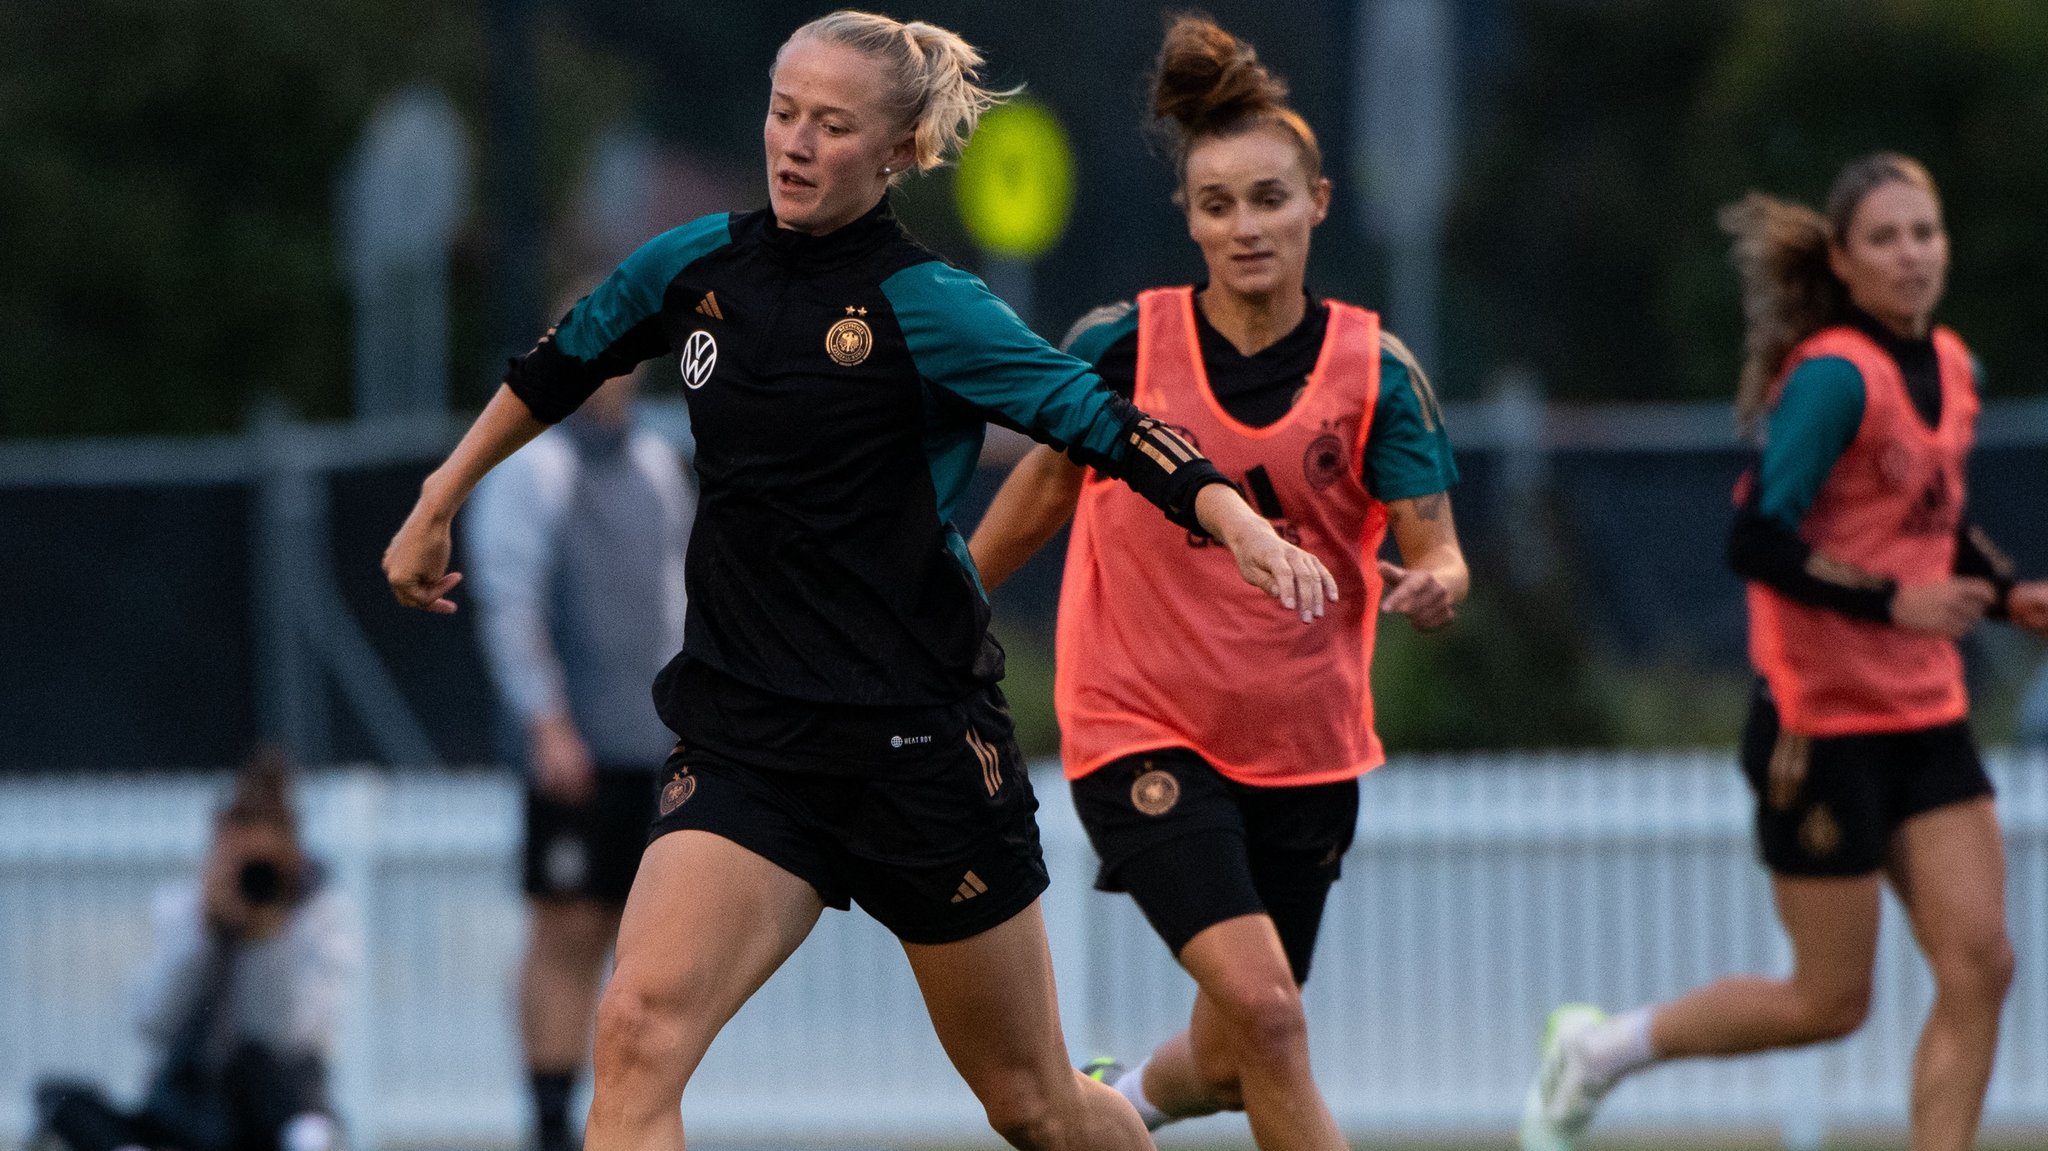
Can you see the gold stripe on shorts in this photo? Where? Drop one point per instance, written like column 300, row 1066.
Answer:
column 1789, row 761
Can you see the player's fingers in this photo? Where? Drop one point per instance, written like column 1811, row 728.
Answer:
column 1400, row 596
column 1283, row 578
column 1308, row 586
column 1391, row 572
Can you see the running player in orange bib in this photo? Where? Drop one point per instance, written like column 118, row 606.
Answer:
column 1215, row 759
column 1863, row 570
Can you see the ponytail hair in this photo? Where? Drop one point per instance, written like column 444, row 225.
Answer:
column 1789, row 290
column 1209, row 84
column 933, row 77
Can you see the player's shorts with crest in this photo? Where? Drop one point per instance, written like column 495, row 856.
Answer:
column 938, row 848
column 1194, row 847
column 589, row 850
column 1828, row 805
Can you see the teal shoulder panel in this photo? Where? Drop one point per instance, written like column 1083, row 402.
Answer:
column 967, row 342
column 633, row 291
column 1817, row 414
column 1093, row 333
column 1408, row 451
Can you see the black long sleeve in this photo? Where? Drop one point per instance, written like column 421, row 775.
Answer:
column 1761, row 550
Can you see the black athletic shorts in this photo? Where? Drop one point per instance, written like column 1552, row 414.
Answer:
column 589, row 851
column 1828, row 805
column 939, row 848
column 1195, row 848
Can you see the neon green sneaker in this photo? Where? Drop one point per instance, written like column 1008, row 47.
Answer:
column 1563, row 1097
column 1104, row 1070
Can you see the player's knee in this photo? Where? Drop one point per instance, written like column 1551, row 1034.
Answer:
column 1979, row 970
column 1022, row 1110
column 1835, row 1010
column 636, row 1029
column 1267, row 1022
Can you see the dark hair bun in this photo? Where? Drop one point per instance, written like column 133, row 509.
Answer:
column 1207, row 78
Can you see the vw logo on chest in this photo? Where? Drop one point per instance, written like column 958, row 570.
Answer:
column 700, row 355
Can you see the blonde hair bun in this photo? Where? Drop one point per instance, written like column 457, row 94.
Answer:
column 934, row 76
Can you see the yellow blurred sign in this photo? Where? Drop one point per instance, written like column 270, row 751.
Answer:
column 1015, row 188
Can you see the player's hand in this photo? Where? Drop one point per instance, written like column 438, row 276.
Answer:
column 1287, row 573
column 1946, row 607
column 220, row 895
column 416, row 563
column 2027, row 606
column 1417, row 594
column 562, row 767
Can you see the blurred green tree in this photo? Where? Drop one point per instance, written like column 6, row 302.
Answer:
column 1585, row 243
column 167, row 178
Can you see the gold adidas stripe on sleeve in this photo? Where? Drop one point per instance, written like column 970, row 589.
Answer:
column 1418, row 380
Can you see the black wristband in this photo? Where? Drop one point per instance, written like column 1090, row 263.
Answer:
column 1158, row 464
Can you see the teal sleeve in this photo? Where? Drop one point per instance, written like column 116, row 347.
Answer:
column 1093, row 333
column 1408, row 450
column 970, row 344
column 633, row 292
column 1817, row 415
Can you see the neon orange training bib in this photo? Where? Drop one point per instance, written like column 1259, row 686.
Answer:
column 1163, row 644
column 1891, row 506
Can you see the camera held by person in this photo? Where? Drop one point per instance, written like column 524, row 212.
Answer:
column 240, row 996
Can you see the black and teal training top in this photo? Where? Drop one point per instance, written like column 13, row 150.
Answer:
column 838, row 388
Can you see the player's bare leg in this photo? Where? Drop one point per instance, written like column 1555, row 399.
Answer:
column 1246, row 1046
column 1833, row 927
column 992, row 1003
column 566, row 944
column 682, row 972
column 1948, row 866
column 565, row 949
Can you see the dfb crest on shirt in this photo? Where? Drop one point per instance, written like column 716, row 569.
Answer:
column 849, row 341
column 700, row 355
column 1323, row 463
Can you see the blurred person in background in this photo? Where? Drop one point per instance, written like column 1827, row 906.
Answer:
column 1863, row 570
column 841, row 733
column 577, row 547
column 240, row 998
column 1214, row 751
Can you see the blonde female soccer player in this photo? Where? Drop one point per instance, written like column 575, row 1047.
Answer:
column 842, row 737
column 1862, row 570
column 1214, row 757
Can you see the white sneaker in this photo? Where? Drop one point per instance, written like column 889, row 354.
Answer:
column 1564, row 1095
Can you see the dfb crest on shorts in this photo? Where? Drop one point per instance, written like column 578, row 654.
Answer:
column 700, row 355
column 1819, row 834
column 1155, row 791
column 677, row 791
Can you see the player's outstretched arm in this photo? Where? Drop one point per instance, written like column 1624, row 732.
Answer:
column 1037, row 498
column 416, row 560
column 1431, row 579
column 1287, row 573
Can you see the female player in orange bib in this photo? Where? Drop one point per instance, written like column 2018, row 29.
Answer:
column 1215, row 758
column 1862, row 570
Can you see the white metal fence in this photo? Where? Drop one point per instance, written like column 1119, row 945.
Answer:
column 1482, row 890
